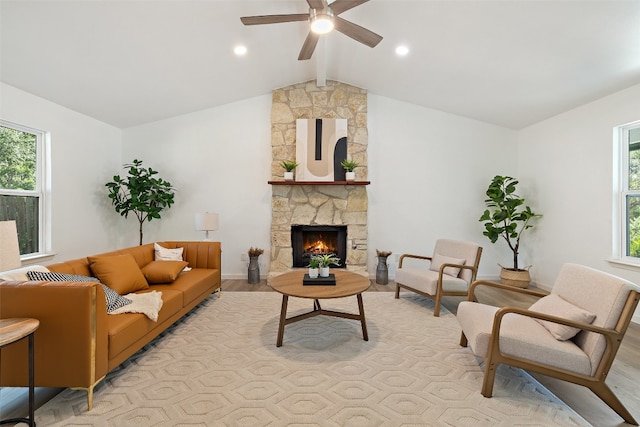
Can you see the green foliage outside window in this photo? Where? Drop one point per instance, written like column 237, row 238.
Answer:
column 17, row 159
column 633, row 202
column 18, row 165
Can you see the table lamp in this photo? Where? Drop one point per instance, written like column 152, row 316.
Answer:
column 9, row 249
column 206, row 221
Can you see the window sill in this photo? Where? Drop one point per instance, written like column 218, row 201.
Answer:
column 36, row 258
column 627, row 265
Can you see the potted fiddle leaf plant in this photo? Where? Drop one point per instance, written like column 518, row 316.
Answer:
column 141, row 193
column 289, row 166
column 349, row 165
column 325, row 261
column 508, row 217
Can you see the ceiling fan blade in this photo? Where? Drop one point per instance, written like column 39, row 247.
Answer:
column 340, row 6
column 356, row 32
column 309, row 46
column 274, row 19
column 317, row 4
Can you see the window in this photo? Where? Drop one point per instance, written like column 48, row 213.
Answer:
column 629, row 147
column 22, row 172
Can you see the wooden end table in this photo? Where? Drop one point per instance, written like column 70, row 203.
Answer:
column 12, row 331
column 347, row 284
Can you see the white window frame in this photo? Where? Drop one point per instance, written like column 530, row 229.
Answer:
column 621, row 191
column 42, row 190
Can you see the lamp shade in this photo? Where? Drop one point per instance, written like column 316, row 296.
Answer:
column 9, row 249
column 206, row 221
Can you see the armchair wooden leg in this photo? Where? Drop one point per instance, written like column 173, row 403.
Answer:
column 604, row 392
column 463, row 340
column 489, row 378
column 397, row 291
column 436, row 308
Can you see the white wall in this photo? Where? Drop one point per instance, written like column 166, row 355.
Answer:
column 567, row 163
column 84, row 153
column 218, row 160
column 429, row 171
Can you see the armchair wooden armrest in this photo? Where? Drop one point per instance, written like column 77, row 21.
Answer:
column 403, row 256
column 498, row 285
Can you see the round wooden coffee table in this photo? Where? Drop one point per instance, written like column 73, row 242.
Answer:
column 347, row 284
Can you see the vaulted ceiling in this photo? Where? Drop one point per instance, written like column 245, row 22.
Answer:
column 507, row 62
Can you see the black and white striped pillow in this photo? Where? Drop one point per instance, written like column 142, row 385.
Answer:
column 114, row 300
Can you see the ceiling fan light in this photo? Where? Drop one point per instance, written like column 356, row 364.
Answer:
column 321, row 22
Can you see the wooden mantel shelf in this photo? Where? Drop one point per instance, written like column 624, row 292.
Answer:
column 319, row 182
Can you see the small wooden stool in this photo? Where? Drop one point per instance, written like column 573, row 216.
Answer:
column 11, row 331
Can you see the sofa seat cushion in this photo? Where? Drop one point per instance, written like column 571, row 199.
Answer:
column 192, row 284
column 540, row 345
column 427, row 281
column 125, row 329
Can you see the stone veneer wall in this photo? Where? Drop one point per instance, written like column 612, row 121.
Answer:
column 318, row 204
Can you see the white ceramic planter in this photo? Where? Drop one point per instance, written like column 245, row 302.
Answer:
column 324, row 271
column 350, row 176
column 288, row 176
column 313, row 273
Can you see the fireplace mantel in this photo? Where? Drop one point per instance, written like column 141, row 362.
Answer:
column 319, row 182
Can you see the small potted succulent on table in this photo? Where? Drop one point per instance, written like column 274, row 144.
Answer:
column 326, row 260
column 289, row 166
column 313, row 267
column 349, row 166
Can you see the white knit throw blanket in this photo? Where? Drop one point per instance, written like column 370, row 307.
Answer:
column 148, row 304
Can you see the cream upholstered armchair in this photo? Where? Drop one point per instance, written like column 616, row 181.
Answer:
column 451, row 269
column 572, row 334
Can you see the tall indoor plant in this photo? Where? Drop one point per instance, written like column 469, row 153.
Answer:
column 508, row 217
column 140, row 192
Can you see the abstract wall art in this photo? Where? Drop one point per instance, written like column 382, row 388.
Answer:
column 321, row 144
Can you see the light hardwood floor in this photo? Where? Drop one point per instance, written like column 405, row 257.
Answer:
column 623, row 379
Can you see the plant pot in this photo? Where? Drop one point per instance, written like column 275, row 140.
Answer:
column 313, row 273
column 350, row 176
column 517, row 278
column 324, row 271
column 382, row 272
column 253, row 271
column 288, row 176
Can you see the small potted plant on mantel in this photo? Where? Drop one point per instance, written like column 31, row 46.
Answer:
column 326, row 260
column 349, row 165
column 289, row 166
column 507, row 217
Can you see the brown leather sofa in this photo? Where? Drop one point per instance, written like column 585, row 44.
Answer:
column 77, row 342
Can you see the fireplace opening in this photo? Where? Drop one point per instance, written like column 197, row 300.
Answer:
column 309, row 240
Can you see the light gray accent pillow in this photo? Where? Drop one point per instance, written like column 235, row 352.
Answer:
column 437, row 260
column 555, row 305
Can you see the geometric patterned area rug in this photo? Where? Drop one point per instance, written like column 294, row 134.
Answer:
column 220, row 366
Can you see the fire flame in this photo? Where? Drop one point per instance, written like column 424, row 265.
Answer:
column 318, row 246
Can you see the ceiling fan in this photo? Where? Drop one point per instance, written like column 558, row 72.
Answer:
column 323, row 18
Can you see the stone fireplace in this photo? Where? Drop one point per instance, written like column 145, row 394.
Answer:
column 330, row 204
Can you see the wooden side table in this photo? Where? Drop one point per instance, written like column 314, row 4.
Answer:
column 12, row 331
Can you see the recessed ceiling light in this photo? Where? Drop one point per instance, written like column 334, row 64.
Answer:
column 402, row 50
column 240, row 50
